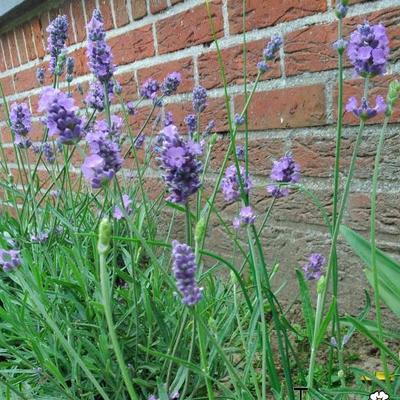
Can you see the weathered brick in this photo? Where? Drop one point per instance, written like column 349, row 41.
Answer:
column 80, row 23
column 90, row 6
column 13, row 49
column 215, row 111
column 81, row 63
column 139, row 8
column 310, row 49
column 129, row 85
column 188, row 28
column 29, row 40
column 3, row 65
column 38, row 37
column 157, row 5
column 286, row 108
column 184, row 66
column 7, row 54
column 19, row 34
column 262, row 152
column 44, row 23
column 25, row 80
column 132, row 46
column 121, row 12
column 7, row 85
column 105, row 8
column 262, row 13
column 209, row 71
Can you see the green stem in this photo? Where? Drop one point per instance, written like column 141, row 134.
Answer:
column 373, row 245
column 106, row 297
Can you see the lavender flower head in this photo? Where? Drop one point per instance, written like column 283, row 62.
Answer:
column 180, row 165
column 105, row 159
column 247, row 216
column 313, row 270
column 171, row 83
column 199, row 99
column 40, row 75
column 40, row 238
column 98, row 51
column 126, row 202
column 95, row 96
column 21, row 123
column 61, row 116
column 262, row 66
column 368, row 50
column 230, row 185
column 364, row 111
column 70, row 68
column 272, row 47
column 191, row 123
column 149, row 89
column 240, row 152
column 130, row 107
column 341, row 9
column 139, row 141
column 9, row 259
column 184, row 269
column 58, row 33
column 49, row 153
column 285, row 170
column 239, row 120
column 168, row 118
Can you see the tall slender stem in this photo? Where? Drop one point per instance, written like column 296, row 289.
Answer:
column 373, row 245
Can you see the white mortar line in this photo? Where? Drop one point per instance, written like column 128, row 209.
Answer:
column 71, row 13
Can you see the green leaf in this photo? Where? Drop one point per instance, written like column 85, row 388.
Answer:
column 388, row 269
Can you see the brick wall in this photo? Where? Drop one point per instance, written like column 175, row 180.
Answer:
column 294, row 108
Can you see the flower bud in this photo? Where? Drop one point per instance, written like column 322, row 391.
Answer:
column 214, row 139
column 104, row 236
column 340, row 374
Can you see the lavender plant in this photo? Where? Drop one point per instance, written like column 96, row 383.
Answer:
column 109, row 292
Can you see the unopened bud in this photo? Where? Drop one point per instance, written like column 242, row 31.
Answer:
column 200, row 229
column 321, row 284
column 104, row 236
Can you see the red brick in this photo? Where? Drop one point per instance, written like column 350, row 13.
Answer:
column 188, row 28
column 184, row 66
column 310, row 49
column 129, row 85
column 38, row 37
column 81, row 66
column 262, row 13
column 44, row 23
column 80, row 23
column 25, row 80
column 90, row 6
column 105, row 8
column 209, row 71
column 8, row 86
column 286, row 108
column 139, row 8
column 137, row 121
column 215, row 110
column 173, row 2
column 157, row 5
column 30, row 46
column 7, row 54
column 121, row 12
column 13, row 49
column 132, row 46
column 21, row 45
column 3, row 66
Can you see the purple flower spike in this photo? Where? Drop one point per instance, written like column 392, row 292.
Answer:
column 127, row 202
column 273, row 47
column 95, row 96
column 240, row 152
column 139, row 141
column 184, row 269
column 199, row 99
column 40, row 238
column 313, row 270
column 58, row 33
column 364, row 111
column 61, row 116
column 341, row 10
column 368, row 50
column 239, row 120
column 230, row 184
column 191, row 123
column 40, row 75
column 180, row 165
column 70, row 68
column 105, row 159
column 98, row 51
column 149, row 89
column 285, row 170
column 130, row 106
column 168, row 119
column 262, row 66
column 171, row 83
column 48, row 153
column 247, row 216
column 21, row 124
column 10, row 259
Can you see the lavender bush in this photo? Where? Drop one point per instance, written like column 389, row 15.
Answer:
column 104, row 298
